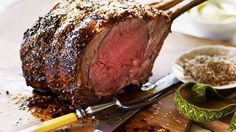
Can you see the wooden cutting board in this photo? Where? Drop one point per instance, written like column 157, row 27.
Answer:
column 162, row 114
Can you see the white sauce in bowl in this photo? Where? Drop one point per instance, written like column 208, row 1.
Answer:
column 215, row 11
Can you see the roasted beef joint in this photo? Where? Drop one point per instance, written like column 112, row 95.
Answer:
column 87, row 51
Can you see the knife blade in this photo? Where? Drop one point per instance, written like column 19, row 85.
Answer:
column 111, row 122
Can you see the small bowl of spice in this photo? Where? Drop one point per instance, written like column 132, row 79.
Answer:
column 212, row 65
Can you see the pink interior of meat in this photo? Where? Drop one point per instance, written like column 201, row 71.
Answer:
column 119, row 58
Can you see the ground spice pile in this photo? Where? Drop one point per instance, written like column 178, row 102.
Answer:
column 212, row 70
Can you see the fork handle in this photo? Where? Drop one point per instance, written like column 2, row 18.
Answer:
column 53, row 124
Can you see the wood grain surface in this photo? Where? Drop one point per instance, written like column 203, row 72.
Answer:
column 160, row 116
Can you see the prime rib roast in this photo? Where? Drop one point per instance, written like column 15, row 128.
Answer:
column 87, row 51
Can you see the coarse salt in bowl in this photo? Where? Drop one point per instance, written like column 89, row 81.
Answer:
column 212, row 65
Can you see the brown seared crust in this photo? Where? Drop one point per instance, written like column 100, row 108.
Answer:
column 51, row 59
column 52, row 49
column 35, row 46
column 164, row 26
column 71, row 53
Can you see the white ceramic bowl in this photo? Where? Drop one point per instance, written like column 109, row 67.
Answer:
column 204, row 50
column 216, row 29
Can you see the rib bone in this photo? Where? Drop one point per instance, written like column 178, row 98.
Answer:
column 165, row 4
column 181, row 8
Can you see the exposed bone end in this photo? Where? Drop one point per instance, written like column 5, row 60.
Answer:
column 182, row 7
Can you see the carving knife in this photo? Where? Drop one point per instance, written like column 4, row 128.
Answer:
column 111, row 122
